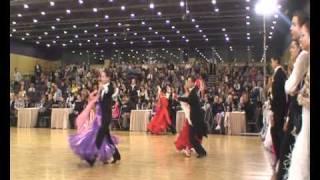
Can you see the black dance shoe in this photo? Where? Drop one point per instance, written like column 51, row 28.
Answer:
column 202, row 155
column 116, row 157
column 91, row 162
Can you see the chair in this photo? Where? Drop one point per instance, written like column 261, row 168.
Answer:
column 208, row 118
column 117, row 119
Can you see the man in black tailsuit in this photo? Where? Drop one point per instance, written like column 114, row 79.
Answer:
column 198, row 128
column 106, row 90
column 278, row 104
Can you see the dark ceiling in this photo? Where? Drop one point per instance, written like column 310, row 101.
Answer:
column 230, row 26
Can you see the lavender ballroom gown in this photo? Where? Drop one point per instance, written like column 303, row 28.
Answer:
column 83, row 142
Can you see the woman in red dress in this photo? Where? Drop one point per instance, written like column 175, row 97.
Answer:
column 182, row 142
column 161, row 120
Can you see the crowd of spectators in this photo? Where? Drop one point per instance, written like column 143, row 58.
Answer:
column 238, row 88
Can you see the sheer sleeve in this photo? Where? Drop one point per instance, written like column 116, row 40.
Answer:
column 299, row 70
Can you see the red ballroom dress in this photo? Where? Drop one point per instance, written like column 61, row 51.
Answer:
column 161, row 120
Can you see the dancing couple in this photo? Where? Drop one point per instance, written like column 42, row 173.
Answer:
column 93, row 139
column 194, row 127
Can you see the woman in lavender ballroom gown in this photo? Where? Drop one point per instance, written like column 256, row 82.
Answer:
column 83, row 142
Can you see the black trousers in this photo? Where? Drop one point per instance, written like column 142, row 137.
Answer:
column 277, row 133
column 285, row 149
column 195, row 143
column 172, row 127
column 103, row 132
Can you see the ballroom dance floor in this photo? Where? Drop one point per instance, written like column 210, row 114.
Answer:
column 44, row 154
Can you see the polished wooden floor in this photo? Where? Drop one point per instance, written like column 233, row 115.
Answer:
column 44, row 154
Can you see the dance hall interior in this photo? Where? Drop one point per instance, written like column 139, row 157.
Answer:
column 159, row 89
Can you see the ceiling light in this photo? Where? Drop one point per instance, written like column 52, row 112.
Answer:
column 114, row 43
column 106, row 16
column 110, row 0
column 167, row 21
column 248, row 23
column 52, row 3
column 13, row 22
column 85, row 31
column 76, row 36
column 97, row 25
column 276, row 16
column 248, row 8
column 214, row 2
column 14, row 30
column 27, row 34
column 173, row 27
column 74, row 26
column 123, row 8
column 149, row 42
column 248, row 37
column 80, row 2
column 43, row 13
column 80, row 44
column 266, row 7
column 178, row 32
column 150, row 28
column 156, row 32
column 181, row 3
column 270, row 37
column 168, row 41
column 207, row 39
column 119, row 24
column 274, row 22
column 248, row 34
column 35, row 20
column 131, row 42
column 163, row 37
column 115, row 34
column 65, row 32
column 53, row 42
column 97, row 44
column 193, row 20
column 227, row 39
column 143, row 23
column 183, row 37
column 58, row 19
column 200, row 30
column 70, row 41
column 10, row 35
column 58, row 37
column 272, row 27
column 143, row 38
column 68, row 11
column 151, row 6
column 204, row 36
column 159, row 13
column 270, row 33
column 48, row 45
column 52, row 27
column 37, row 42
column 106, row 40
column 19, row 15
column 39, row 37
column 95, row 10
column 216, row 9
column 197, row 26
column 135, row 33
column 45, row 33
column 95, row 35
column 247, row 17
column 106, row 30
column 88, row 40
column 26, row 6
